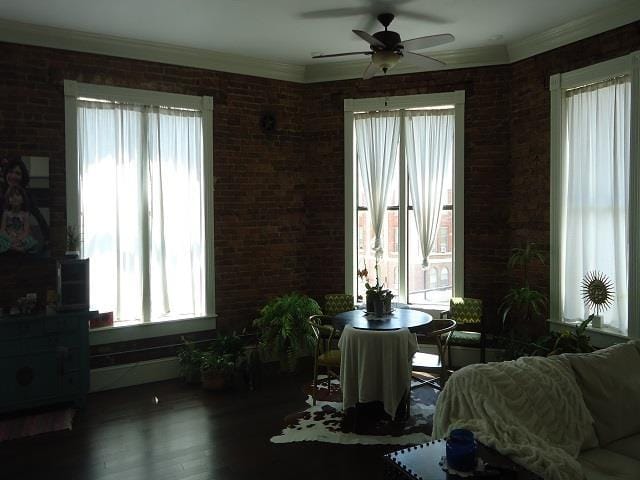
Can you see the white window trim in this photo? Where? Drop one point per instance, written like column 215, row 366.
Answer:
column 351, row 106
column 74, row 90
column 558, row 84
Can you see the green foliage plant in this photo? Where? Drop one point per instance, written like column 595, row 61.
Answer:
column 568, row 341
column 190, row 360
column 523, row 305
column 221, row 361
column 283, row 327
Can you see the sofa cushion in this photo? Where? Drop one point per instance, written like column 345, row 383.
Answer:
column 629, row 446
column 610, row 384
column 601, row 464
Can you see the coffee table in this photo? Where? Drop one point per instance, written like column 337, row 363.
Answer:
column 422, row 462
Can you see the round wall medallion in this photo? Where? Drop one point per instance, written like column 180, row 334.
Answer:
column 268, row 122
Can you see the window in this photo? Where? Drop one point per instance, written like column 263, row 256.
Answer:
column 444, row 239
column 136, row 185
column 444, row 277
column 433, row 277
column 594, row 207
column 403, row 179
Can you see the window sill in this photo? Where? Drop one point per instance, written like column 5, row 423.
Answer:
column 600, row 337
column 138, row 331
column 432, row 309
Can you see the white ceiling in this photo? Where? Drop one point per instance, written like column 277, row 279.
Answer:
column 290, row 31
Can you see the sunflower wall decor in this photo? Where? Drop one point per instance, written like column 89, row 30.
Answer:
column 597, row 293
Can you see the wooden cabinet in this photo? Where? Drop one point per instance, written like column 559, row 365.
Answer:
column 44, row 360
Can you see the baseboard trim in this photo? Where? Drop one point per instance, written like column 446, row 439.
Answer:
column 127, row 375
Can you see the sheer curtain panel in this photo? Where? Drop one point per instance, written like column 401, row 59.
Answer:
column 141, row 208
column 377, row 137
column 595, row 201
column 428, row 153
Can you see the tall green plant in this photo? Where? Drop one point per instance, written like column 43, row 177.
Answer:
column 523, row 304
column 283, row 329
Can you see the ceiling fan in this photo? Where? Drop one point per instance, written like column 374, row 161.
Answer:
column 387, row 49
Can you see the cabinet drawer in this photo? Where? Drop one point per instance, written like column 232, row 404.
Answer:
column 21, row 329
column 29, row 376
column 60, row 324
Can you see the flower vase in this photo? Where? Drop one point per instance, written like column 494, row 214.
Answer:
column 370, row 298
column 387, row 304
column 378, row 306
column 461, row 450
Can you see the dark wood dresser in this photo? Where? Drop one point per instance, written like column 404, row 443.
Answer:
column 44, row 359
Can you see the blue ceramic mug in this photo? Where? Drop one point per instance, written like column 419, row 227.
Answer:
column 461, row 450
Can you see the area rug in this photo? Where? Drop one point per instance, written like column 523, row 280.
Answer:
column 36, row 423
column 326, row 422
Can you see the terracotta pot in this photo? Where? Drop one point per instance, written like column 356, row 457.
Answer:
column 213, row 380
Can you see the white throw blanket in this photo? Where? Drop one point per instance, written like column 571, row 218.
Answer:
column 530, row 410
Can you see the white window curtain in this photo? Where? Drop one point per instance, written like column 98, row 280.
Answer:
column 428, row 153
column 141, row 204
column 377, row 138
column 595, row 201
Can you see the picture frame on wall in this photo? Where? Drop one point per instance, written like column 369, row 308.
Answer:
column 24, row 206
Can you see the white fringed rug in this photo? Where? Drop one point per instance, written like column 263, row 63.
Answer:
column 325, row 422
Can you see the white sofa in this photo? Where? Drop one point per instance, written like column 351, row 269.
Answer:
column 567, row 417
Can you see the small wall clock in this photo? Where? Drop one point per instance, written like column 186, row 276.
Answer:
column 268, row 122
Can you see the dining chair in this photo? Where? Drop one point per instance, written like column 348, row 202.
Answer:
column 335, row 303
column 467, row 312
column 324, row 355
column 438, row 333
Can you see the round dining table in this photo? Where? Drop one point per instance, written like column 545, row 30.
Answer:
column 398, row 318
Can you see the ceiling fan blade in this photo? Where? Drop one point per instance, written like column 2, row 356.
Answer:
column 370, row 72
column 342, row 54
column 373, row 41
column 335, row 12
column 429, row 41
column 422, row 60
column 414, row 15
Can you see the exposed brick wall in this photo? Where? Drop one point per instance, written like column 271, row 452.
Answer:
column 486, row 171
column 259, row 198
column 530, row 132
column 279, row 197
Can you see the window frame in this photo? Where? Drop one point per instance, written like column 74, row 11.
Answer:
column 558, row 85
column 72, row 92
column 351, row 106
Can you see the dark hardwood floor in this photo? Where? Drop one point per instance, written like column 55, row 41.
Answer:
column 187, row 434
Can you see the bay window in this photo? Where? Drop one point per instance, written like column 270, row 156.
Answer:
column 594, row 203
column 404, row 195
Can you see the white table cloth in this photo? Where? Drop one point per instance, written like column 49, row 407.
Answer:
column 376, row 366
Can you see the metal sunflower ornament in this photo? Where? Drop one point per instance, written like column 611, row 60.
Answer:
column 597, row 293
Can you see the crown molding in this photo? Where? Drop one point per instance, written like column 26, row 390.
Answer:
column 619, row 14
column 471, row 57
column 615, row 16
column 65, row 39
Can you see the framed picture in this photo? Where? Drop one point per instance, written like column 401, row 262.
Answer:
column 24, row 206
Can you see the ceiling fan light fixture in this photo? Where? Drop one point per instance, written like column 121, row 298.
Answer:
column 385, row 59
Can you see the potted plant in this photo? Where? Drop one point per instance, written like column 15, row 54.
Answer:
column 220, row 361
column 378, row 298
column 189, row 361
column 217, row 370
column 522, row 305
column 72, row 242
column 283, row 329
